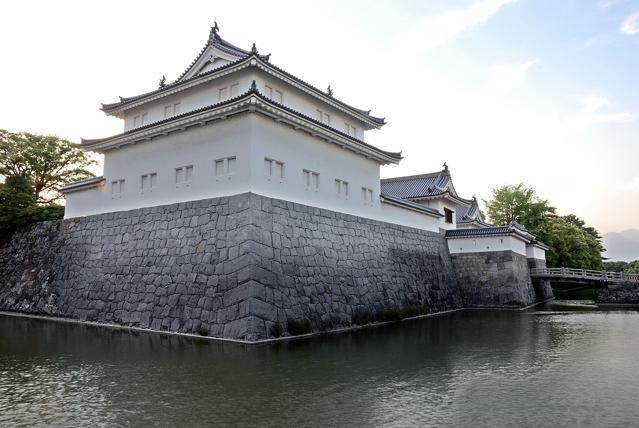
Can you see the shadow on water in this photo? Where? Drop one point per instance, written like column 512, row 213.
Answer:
column 442, row 370
column 576, row 299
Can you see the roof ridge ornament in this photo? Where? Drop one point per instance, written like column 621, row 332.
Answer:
column 162, row 83
column 253, row 86
column 329, row 90
column 213, row 35
column 445, row 167
column 254, row 49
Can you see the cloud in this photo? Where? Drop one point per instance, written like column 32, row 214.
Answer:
column 437, row 30
column 593, row 103
column 604, row 4
column 506, row 77
column 591, row 112
column 599, row 40
column 630, row 25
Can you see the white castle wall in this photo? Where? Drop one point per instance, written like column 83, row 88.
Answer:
column 535, row 252
column 209, row 93
column 486, row 244
column 250, row 138
column 197, row 146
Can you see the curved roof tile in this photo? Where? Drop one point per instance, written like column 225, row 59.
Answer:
column 252, row 91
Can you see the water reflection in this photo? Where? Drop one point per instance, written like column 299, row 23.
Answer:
column 472, row 368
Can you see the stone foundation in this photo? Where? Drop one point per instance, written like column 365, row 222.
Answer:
column 497, row 279
column 543, row 290
column 618, row 294
column 231, row 267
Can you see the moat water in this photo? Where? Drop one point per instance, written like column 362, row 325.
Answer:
column 471, row 368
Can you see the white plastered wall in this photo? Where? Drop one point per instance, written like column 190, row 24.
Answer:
column 535, row 252
column 250, row 138
column 198, row 147
column 193, row 98
column 439, row 204
column 477, row 244
column 300, row 151
column 209, row 93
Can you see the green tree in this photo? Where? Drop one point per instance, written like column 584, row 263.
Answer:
column 632, row 267
column 519, row 203
column 46, row 161
column 19, row 209
column 597, row 245
column 572, row 243
column 16, row 199
column 615, row 266
column 571, row 246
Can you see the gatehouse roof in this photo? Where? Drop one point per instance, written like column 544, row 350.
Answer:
column 472, row 214
column 423, row 186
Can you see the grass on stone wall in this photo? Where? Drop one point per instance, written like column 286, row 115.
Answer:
column 277, row 329
column 202, row 330
column 327, row 323
column 363, row 317
column 296, row 327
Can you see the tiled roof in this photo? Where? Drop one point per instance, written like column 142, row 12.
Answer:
column 252, row 91
column 490, row 231
column 411, row 204
column 518, row 226
column 82, row 184
column 472, row 214
column 417, row 186
column 126, row 100
column 486, row 231
column 216, row 41
column 243, row 56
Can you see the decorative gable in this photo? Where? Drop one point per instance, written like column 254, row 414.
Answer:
column 216, row 53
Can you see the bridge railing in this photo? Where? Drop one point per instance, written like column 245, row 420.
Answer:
column 569, row 273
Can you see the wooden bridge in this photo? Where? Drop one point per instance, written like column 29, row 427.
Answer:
column 585, row 276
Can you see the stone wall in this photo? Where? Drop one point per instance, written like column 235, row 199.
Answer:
column 499, row 278
column 230, row 266
column 619, row 294
column 543, row 290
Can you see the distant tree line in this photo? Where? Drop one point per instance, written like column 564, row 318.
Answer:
column 631, row 267
column 32, row 169
column 572, row 243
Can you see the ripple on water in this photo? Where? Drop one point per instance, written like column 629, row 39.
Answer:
column 462, row 369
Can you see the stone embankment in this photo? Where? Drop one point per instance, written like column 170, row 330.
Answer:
column 619, row 294
column 494, row 279
column 226, row 267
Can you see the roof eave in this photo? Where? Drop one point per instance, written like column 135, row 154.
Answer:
column 374, row 122
column 235, row 106
column 445, row 195
column 81, row 185
column 255, row 60
column 396, row 202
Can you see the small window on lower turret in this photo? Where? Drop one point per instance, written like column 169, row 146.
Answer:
column 148, row 181
column 117, row 187
column 184, row 174
column 449, row 215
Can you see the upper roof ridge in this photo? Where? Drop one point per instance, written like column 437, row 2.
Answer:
column 215, row 40
column 411, row 177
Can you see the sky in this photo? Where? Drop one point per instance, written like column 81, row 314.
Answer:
column 543, row 92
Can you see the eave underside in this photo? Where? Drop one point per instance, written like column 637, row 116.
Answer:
column 251, row 101
column 253, row 60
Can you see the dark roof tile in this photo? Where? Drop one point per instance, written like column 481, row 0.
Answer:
column 416, row 186
column 222, row 44
column 255, row 91
column 411, row 204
